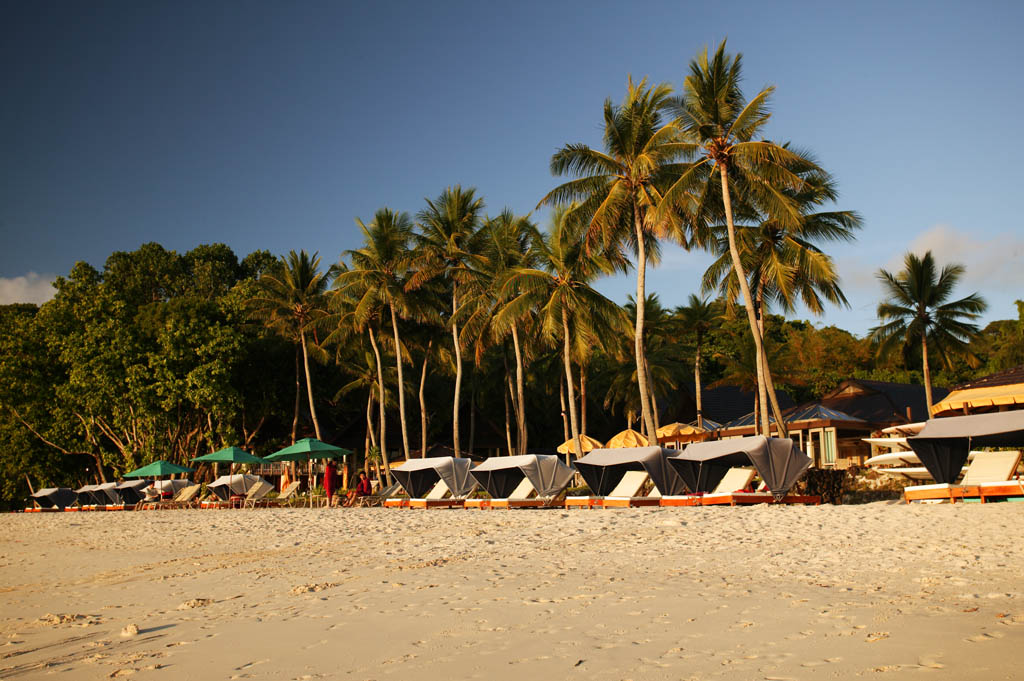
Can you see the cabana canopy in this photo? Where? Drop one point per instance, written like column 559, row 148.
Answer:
column 238, row 484
column 778, row 461
column 943, row 444
column 603, row 468
column 418, row 476
column 54, row 497
column 107, row 493
column 500, row 475
column 131, row 491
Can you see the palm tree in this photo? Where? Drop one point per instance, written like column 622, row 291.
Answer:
column 379, row 271
column 699, row 316
column 444, row 248
column 784, row 263
column 916, row 310
column 559, row 289
column 290, row 300
column 723, row 125
column 618, row 188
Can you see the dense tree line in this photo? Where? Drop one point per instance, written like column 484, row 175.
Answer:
column 478, row 331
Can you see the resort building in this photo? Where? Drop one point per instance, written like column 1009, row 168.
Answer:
column 1001, row 391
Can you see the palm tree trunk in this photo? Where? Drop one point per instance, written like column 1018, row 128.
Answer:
column 520, row 393
column 927, row 374
column 298, row 396
column 654, row 402
column 748, row 301
column 309, row 385
column 696, row 382
column 423, row 405
column 566, row 350
column 370, row 437
column 583, row 399
column 510, row 396
column 565, row 415
column 773, row 398
column 458, row 378
column 383, row 409
column 472, row 411
column 508, row 423
column 638, row 335
column 401, row 383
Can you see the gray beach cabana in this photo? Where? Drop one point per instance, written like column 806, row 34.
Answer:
column 84, row 496
column 132, row 492
column 418, row 476
column 238, row 484
column 602, row 469
column 54, row 497
column 943, row 444
column 501, row 475
column 107, row 493
column 778, row 461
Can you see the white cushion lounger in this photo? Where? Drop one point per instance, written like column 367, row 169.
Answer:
column 627, row 492
column 735, row 479
column 987, row 470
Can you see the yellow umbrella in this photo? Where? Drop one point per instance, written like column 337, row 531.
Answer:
column 586, row 442
column 627, row 438
column 674, row 430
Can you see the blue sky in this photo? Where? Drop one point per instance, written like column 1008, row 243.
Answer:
column 272, row 125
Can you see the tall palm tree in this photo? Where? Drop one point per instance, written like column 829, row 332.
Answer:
column 917, row 309
column 783, row 262
column 380, row 272
column 618, row 188
column 449, row 225
column 724, row 128
column 700, row 316
column 290, row 299
column 559, row 288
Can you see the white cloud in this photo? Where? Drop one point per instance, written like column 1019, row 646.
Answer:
column 991, row 262
column 31, row 288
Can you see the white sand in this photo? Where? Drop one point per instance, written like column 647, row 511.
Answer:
column 876, row 591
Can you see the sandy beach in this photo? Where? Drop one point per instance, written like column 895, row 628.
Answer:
column 876, row 591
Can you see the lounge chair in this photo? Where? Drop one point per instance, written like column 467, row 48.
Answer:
column 735, row 480
column 377, row 498
column 988, row 475
column 628, row 493
column 256, row 494
column 523, row 496
column 289, row 494
column 185, row 498
column 762, row 495
column 438, row 497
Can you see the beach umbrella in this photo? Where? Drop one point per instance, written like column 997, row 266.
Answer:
column 230, row 455
column 309, row 449
column 588, row 443
column 158, row 468
column 627, row 438
column 681, row 432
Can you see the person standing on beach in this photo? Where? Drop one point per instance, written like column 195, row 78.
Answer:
column 329, row 481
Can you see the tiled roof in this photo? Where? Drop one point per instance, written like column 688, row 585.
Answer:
column 1008, row 377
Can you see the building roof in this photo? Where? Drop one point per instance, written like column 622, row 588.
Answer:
column 881, row 402
column 1008, row 377
column 806, row 412
column 1004, row 389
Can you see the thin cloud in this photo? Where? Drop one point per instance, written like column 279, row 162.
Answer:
column 991, row 263
column 31, row 288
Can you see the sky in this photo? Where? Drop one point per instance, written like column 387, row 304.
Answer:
column 272, row 125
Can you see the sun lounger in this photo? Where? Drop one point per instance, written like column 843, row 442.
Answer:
column 987, row 476
column 628, row 493
column 186, row 497
column 735, row 480
column 289, row 494
column 378, row 498
column 523, row 496
column 256, row 494
column 739, row 497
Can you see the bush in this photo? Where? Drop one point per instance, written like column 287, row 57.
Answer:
column 824, row 482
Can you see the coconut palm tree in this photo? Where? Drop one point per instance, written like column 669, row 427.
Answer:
column 290, row 299
column 618, row 188
column 784, row 262
column 917, row 309
column 700, row 316
column 559, row 288
column 449, row 226
column 380, row 273
column 724, row 128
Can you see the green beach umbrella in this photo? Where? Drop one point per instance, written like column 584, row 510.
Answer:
column 157, row 469
column 309, row 449
column 230, row 455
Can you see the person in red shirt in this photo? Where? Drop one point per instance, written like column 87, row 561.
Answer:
column 363, row 488
column 329, row 481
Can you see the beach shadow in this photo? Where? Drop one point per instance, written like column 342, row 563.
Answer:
column 152, row 629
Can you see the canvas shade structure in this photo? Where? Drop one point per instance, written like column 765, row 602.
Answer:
column 157, row 469
column 54, row 497
column 308, row 449
column 131, row 491
column 588, row 444
column 944, row 444
column 778, row 461
column 84, row 495
column 238, row 484
column 627, row 438
column 418, row 476
column 602, row 469
column 107, row 493
column 229, row 455
column 500, row 475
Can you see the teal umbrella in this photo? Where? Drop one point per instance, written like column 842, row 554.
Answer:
column 157, row 469
column 230, row 455
column 309, row 449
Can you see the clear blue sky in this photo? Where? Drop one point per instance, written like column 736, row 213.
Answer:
column 273, row 124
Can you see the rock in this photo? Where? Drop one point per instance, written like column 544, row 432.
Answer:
column 130, row 630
